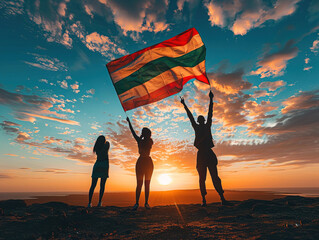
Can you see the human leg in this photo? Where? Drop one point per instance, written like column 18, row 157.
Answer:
column 215, row 178
column 202, row 172
column 139, row 182
column 102, row 188
column 148, row 176
column 93, row 185
column 217, row 182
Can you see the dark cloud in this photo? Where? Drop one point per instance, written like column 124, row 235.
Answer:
column 10, row 127
column 4, row 176
column 293, row 140
column 229, row 83
column 54, row 170
column 140, row 15
column 313, row 10
column 243, row 15
column 30, row 107
column 272, row 86
column 303, row 100
column 274, row 64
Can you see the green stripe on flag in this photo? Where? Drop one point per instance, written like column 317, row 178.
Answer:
column 158, row 66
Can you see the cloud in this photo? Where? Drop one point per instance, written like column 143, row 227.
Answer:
column 229, row 83
column 91, row 91
column 315, row 46
column 216, row 15
column 303, row 100
column 22, row 137
column 3, row 176
column 50, row 16
column 75, row 87
column 291, row 138
column 260, row 93
column 181, row 4
column 12, row 7
column 12, row 155
column 57, row 23
column 30, row 107
column 10, row 127
column 73, row 150
column 66, row 39
column 241, row 16
column 100, row 43
column 47, row 63
column 275, row 63
column 139, row 15
column 88, row 10
column 67, row 121
column 54, row 170
column 96, row 42
column 307, row 60
column 44, row 80
column 63, row 84
column 62, row 9
column 273, row 86
column 259, row 110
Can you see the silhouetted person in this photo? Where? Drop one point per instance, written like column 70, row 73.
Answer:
column 206, row 158
column 100, row 168
column 144, row 165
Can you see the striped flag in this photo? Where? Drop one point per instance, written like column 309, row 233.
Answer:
column 159, row 71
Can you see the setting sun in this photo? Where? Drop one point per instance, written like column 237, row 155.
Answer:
column 164, row 179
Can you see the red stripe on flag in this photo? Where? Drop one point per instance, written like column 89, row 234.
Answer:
column 167, row 90
column 179, row 40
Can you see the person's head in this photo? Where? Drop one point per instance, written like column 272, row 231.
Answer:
column 201, row 119
column 99, row 143
column 146, row 133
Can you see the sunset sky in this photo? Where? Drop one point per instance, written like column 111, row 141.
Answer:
column 56, row 96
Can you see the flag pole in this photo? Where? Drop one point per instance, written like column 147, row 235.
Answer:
column 208, row 82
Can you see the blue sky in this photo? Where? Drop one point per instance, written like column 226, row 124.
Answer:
column 57, row 97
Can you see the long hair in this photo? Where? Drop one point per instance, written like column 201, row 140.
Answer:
column 99, row 143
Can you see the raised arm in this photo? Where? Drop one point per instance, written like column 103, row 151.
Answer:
column 189, row 114
column 210, row 108
column 137, row 138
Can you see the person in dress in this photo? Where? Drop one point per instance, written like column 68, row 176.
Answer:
column 100, row 168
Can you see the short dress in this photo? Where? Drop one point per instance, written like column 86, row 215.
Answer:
column 101, row 166
column 144, row 165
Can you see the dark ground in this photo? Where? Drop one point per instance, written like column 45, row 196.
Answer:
column 291, row 217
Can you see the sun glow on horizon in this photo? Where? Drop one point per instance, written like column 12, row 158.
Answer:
column 164, row 179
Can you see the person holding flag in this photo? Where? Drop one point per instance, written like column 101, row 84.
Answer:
column 206, row 158
column 144, row 165
column 154, row 73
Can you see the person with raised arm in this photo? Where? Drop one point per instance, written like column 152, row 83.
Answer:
column 144, row 165
column 206, row 158
column 100, row 168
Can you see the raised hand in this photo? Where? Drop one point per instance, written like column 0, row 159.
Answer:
column 211, row 94
column 182, row 100
column 127, row 119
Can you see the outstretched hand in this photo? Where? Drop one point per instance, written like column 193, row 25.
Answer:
column 182, row 100
column 127, row 119
column 211, row 94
